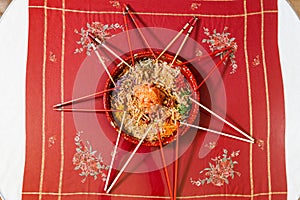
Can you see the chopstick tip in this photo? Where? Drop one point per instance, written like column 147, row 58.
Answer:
column 57, row 105
column 57, row 109
column 126, row 7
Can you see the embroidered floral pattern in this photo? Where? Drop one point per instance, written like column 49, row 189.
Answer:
column 51, row 141
column 195, row 6
column 99, row 30
column 219, row 172
column 115, row 4
column 211, row 145
column 222, row 41
column 87, row 162
column 52, row 57
column 198, row 52
column 260, row 144
column 256, row 61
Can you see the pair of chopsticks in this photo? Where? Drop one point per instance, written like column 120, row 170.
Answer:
column 127, row 10
column 249, row 138
column 192, row 22
column 106, row 188
column 60, row 106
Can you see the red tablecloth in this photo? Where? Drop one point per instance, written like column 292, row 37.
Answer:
column 63, row 161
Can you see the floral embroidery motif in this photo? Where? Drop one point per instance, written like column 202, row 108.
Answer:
column 222, row 41
column 195, row 6
column 260, row 144
column 115, row 4
column 86, row 161
column 256, row 61
column 99, row 30
column 51, row 141
column 211, row 145
column 219, row 172
column 52, row 57
column 198, row 52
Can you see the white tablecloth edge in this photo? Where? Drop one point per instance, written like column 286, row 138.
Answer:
column 289, row 48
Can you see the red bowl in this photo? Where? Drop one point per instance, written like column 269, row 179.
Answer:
column 119, row 69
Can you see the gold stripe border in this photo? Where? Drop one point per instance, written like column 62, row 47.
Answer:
column 249, row 90
column 62, row 63
column 154, row 197
column 267, row 98
column 153, row 13
column 42, row 172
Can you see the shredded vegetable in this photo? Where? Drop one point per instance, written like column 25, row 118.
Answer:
column 152, row 93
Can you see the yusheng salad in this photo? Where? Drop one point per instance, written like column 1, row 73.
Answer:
column 152, row 94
